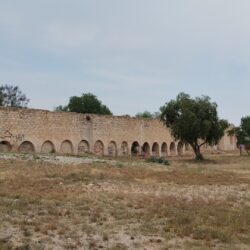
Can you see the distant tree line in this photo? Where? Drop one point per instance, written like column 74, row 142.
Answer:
column 147, row 114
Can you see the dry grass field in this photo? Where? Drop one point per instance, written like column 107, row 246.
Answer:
column 125, row 204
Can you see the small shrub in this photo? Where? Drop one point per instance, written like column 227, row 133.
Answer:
column 160, row 160
column 119, row 165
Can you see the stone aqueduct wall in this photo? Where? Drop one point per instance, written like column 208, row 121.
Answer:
column 30, row 130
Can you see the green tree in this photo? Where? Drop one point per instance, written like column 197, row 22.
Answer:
column 62, row 108
column 11, row 96
column 245, row 127
column 87, row 103
column 147, row 114
column 242, row 132
column 193, row 121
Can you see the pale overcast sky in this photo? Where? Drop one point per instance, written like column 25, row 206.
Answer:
column 133, row 54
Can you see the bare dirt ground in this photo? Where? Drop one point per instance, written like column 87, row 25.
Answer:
column 55, row 202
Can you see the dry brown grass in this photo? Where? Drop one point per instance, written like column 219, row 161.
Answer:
column 132, row 205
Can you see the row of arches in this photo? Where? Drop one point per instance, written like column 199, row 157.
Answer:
column 157, row 150
column 66, row 147
column 28, row 147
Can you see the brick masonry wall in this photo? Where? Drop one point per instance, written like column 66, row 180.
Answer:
column 28, row 130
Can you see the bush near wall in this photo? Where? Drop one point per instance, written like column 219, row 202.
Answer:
column 159, row 160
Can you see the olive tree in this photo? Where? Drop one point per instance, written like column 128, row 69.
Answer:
column 194, row 121
column 12, row 96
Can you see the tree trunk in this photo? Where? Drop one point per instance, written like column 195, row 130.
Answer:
column 197, row 151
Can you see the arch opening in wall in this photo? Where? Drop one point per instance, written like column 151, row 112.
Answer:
column 146, row 149
column 231, row 139
column 135, row 148
column 99, row 148
column 124, row 148
column 164, row 149
column 112, row 149
column 5, row 146
column 26, row 147
column 172, row 149
column 180, row 148
column 66, row 147
column 187, row 147
column 83, row 147
column 155, row 149
column 48, row 147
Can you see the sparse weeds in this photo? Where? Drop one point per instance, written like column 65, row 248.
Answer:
column 209, row 233
column 119, row 164
column 97, row 205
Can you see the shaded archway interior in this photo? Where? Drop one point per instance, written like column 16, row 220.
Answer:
column 135, row 148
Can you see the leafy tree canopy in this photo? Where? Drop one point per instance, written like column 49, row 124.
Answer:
column 87, row 103
column 61, row 108
column 11, row 96
column 147, row 114
column 193, row 121
column 242, row 132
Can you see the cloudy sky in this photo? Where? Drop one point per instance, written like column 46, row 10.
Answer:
column 135, row 55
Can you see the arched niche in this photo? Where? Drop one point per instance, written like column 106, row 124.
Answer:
column 48, row 147
column 26, row 147
column 164, row 149
column 180, row 147
column 172, row 149
column 124, row 148
column 135, row 148
column 66, row 147
column 83, row 147
column 99, row 148
column 155, row 149
column 146, row 149
column 112, row 149
column 5, row 146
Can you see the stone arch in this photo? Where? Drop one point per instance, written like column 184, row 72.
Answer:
column 187, row 147
column 146, row 149
column 180, row 147
column 112, row 149
column 99, row 148
column 135, row 148
column 83, row 147
column 5, row 146
column 66, row 147
column 155, row 149
column 164, row 149
column 26, row 147
column 172, row 149
column 48, row 147
column 124, row 148
column 231, row 139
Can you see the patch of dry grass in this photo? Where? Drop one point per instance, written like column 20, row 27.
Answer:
column 131, row 205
